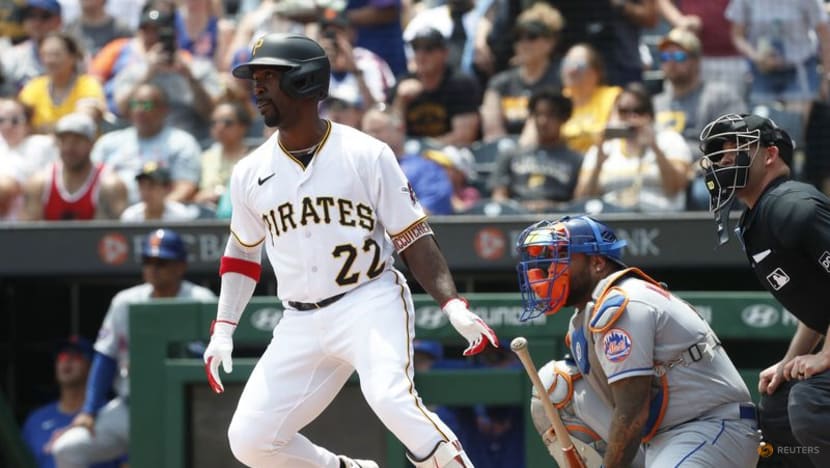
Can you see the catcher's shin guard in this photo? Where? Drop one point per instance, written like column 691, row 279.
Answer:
column 444, row 455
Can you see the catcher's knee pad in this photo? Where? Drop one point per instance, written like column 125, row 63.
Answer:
column 444, row 455
column 558, row 377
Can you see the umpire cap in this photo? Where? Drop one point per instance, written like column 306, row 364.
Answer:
column 165, row 244
column 307, row 70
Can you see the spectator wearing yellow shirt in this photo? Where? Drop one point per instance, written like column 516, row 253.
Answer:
column 583, row 77
column 63, row 89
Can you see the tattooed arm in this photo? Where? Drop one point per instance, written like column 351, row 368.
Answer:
column 631, row 398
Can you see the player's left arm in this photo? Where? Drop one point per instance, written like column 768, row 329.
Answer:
column 631, row 400
column 402, row 216
column 429, row 267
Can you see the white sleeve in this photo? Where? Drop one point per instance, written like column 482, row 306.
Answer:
column 113, row 326
column 396, row 205
column 236, row 289
column 247, row 227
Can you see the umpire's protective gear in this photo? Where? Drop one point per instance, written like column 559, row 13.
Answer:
column 306, row 67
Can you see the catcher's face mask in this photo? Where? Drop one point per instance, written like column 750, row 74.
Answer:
column 544, row 274
column 729, row 148
column 545, row 250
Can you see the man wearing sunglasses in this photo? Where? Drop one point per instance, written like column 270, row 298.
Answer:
column 151, row 139
column 688, row 102
column 785, row 233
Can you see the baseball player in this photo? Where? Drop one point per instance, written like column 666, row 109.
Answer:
column 101, row 430
column 646, row 353
column 785, row 233
column 330, row 205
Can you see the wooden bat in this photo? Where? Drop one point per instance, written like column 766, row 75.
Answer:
column 519, row 346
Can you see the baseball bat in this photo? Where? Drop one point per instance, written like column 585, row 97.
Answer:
column 519, row 346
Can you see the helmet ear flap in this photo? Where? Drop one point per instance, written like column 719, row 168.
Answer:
column 308, row 80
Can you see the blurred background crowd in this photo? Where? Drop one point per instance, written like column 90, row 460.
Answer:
column 126, row 109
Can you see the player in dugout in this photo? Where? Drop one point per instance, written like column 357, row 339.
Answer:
column 101, row 430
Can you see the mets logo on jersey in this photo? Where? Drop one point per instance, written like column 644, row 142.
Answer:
column 617, row 345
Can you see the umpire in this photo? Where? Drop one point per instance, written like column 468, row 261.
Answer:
column 785, row 231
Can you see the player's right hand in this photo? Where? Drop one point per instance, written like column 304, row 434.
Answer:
column 770, row 378
column 219, row 351
column 470, row 326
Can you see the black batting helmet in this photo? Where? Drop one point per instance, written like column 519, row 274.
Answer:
column 306, row 67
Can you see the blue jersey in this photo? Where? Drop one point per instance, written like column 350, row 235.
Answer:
column 431, row 183
column 39, row 432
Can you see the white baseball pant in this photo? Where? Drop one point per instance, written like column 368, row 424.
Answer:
column 309, row 359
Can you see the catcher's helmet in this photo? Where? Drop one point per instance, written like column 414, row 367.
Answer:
column 545, row 250
column 744, row 130
column 306, row 67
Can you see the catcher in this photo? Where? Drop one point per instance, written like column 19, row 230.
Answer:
column 648, row 355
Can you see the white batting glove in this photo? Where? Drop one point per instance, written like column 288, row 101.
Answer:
column 470, row 326
column 219, row 352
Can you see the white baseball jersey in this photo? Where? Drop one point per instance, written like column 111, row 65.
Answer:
column 656, row 326
column 329, row 227
column 114, row 335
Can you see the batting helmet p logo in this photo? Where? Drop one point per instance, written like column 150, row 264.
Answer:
column 257, row 45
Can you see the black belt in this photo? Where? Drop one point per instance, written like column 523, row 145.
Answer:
column 315, row 305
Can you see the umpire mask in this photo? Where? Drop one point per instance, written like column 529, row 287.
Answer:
column 726, row 166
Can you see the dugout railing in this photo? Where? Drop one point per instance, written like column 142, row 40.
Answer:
column 169, row 395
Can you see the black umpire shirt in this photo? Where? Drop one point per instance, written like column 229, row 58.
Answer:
column 786, row 237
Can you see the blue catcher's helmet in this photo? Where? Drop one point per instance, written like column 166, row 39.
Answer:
column 545, row 250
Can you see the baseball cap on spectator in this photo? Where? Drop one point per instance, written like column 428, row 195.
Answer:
column 453, row 157
column 52, row 6
column 76, row 344
column 429, row 347
column 428, row 37
column 79, row 124
column 165, row 244
column 153, row 171
column 682, row 38
column 155, row 17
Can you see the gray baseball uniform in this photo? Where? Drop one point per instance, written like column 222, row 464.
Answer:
column 701, row 412
column 77, row 448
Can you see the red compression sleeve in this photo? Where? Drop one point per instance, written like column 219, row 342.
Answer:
column 243, row 267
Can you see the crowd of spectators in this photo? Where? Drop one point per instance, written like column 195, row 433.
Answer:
column 540, row 105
